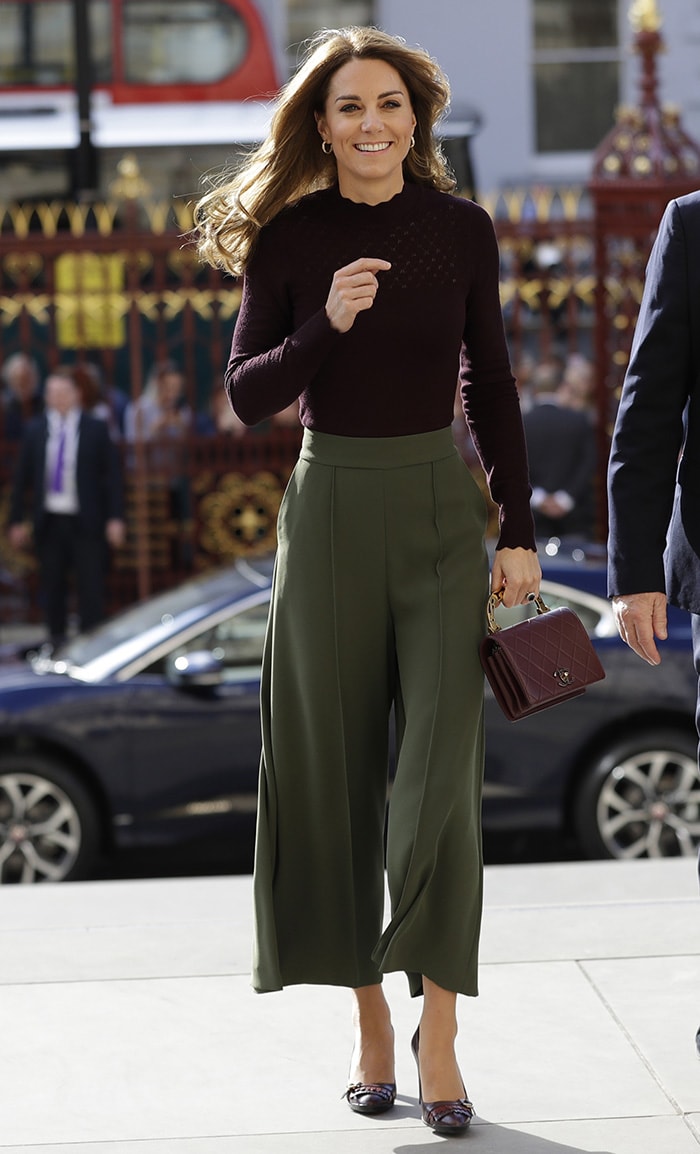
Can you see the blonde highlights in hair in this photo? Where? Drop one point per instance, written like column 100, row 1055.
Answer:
column 289, row 164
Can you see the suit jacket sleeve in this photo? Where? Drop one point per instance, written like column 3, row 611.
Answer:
column 98, row 475
column 648, row 431
column 24, row 477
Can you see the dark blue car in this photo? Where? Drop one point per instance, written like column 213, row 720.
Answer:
column 146, row 732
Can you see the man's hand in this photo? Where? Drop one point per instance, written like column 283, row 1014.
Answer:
column 115, row 532
column 640, row 617
column 20, row 535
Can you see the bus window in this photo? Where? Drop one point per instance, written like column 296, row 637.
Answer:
column 37, row 43
column 156, row 51
column 182, row 41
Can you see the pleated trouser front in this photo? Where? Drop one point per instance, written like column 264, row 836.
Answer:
column 379, row 597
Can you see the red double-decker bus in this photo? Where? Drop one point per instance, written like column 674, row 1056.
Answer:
column 143, row 51
column 165, row 74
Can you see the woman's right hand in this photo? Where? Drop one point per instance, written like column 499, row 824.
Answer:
column 353, row 290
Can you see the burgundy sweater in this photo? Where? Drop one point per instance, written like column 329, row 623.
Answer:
column 436, row 319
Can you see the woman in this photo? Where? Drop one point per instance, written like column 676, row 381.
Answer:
column 364, row 284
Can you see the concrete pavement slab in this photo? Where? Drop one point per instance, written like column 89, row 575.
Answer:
column 132, row 903
column 100, row 953
column 591, row 883
column 198, row 1057
column 138, row 929
column 622, row 929
column 540, row 1044
column 602, row 1136
column 129, row 1026
column 118, row 1060
column 656, row 1002
column 585, row 910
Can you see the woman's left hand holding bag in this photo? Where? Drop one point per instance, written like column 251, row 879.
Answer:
column 518, row 573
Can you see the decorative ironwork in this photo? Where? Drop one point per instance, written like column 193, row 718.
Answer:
column 24, row 267
column 241, row 515
column 644, row 16
column 129, row 183
column 642, row 163
column 647, row 141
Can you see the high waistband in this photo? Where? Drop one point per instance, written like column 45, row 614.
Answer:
column 377, row 452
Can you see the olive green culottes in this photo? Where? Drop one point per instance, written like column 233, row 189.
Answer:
column 379, row 598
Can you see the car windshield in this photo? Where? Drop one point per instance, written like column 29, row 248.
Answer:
column 159, row 616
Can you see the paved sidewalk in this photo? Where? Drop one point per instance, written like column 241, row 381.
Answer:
column 127, row 1024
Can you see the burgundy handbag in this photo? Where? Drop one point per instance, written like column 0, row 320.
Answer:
column 539, row 662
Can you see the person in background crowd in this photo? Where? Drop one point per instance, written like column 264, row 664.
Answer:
column 21, row 398
column 561, row 454
column 161, row 419
column 219, row 418
column 161, row 413
column 523, row 372
column 545, row 377
column 105, row 405
column 368, row 287
column 68, row 486
column 578, row 385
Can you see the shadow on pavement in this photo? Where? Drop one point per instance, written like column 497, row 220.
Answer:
column 503, row 1141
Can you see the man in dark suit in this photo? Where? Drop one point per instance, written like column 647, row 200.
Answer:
column 561, row 454
column 654, row 473
column 68, row 474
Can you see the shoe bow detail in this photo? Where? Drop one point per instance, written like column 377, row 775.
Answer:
column 452, row 1114
column 370, row 1097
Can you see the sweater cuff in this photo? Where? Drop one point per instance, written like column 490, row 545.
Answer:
column 317, row 333
column 517, row 530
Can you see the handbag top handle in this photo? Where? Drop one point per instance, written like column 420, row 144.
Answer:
column 495, row 600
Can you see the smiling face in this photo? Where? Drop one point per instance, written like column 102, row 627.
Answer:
column 369, row 121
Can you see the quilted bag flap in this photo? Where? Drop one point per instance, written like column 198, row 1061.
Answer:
column 549, row 654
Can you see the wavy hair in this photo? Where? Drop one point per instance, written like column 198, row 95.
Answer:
column 289, row 164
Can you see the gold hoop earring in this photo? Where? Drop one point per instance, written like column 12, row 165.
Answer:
column 326, row 147
column 413, row 142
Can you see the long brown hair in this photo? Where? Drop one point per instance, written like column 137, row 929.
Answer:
column 290, row 163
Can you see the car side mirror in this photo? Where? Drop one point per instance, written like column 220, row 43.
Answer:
column 199, row 669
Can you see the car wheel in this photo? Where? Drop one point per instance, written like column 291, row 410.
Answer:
column 49, row 824
column 641, row 799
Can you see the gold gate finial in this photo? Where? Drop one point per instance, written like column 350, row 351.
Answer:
column 130, row 184
column 644, row 16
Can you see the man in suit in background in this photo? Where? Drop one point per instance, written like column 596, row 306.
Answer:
column 20, row 398
column 654, row 472
column 68, row 474
column 561, row 454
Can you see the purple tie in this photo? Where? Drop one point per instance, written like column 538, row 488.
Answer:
column 57, row 477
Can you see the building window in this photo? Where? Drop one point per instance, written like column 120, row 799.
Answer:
column 304, row 17
column 576, row 72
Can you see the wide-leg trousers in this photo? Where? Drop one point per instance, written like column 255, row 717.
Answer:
column 379, row 599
